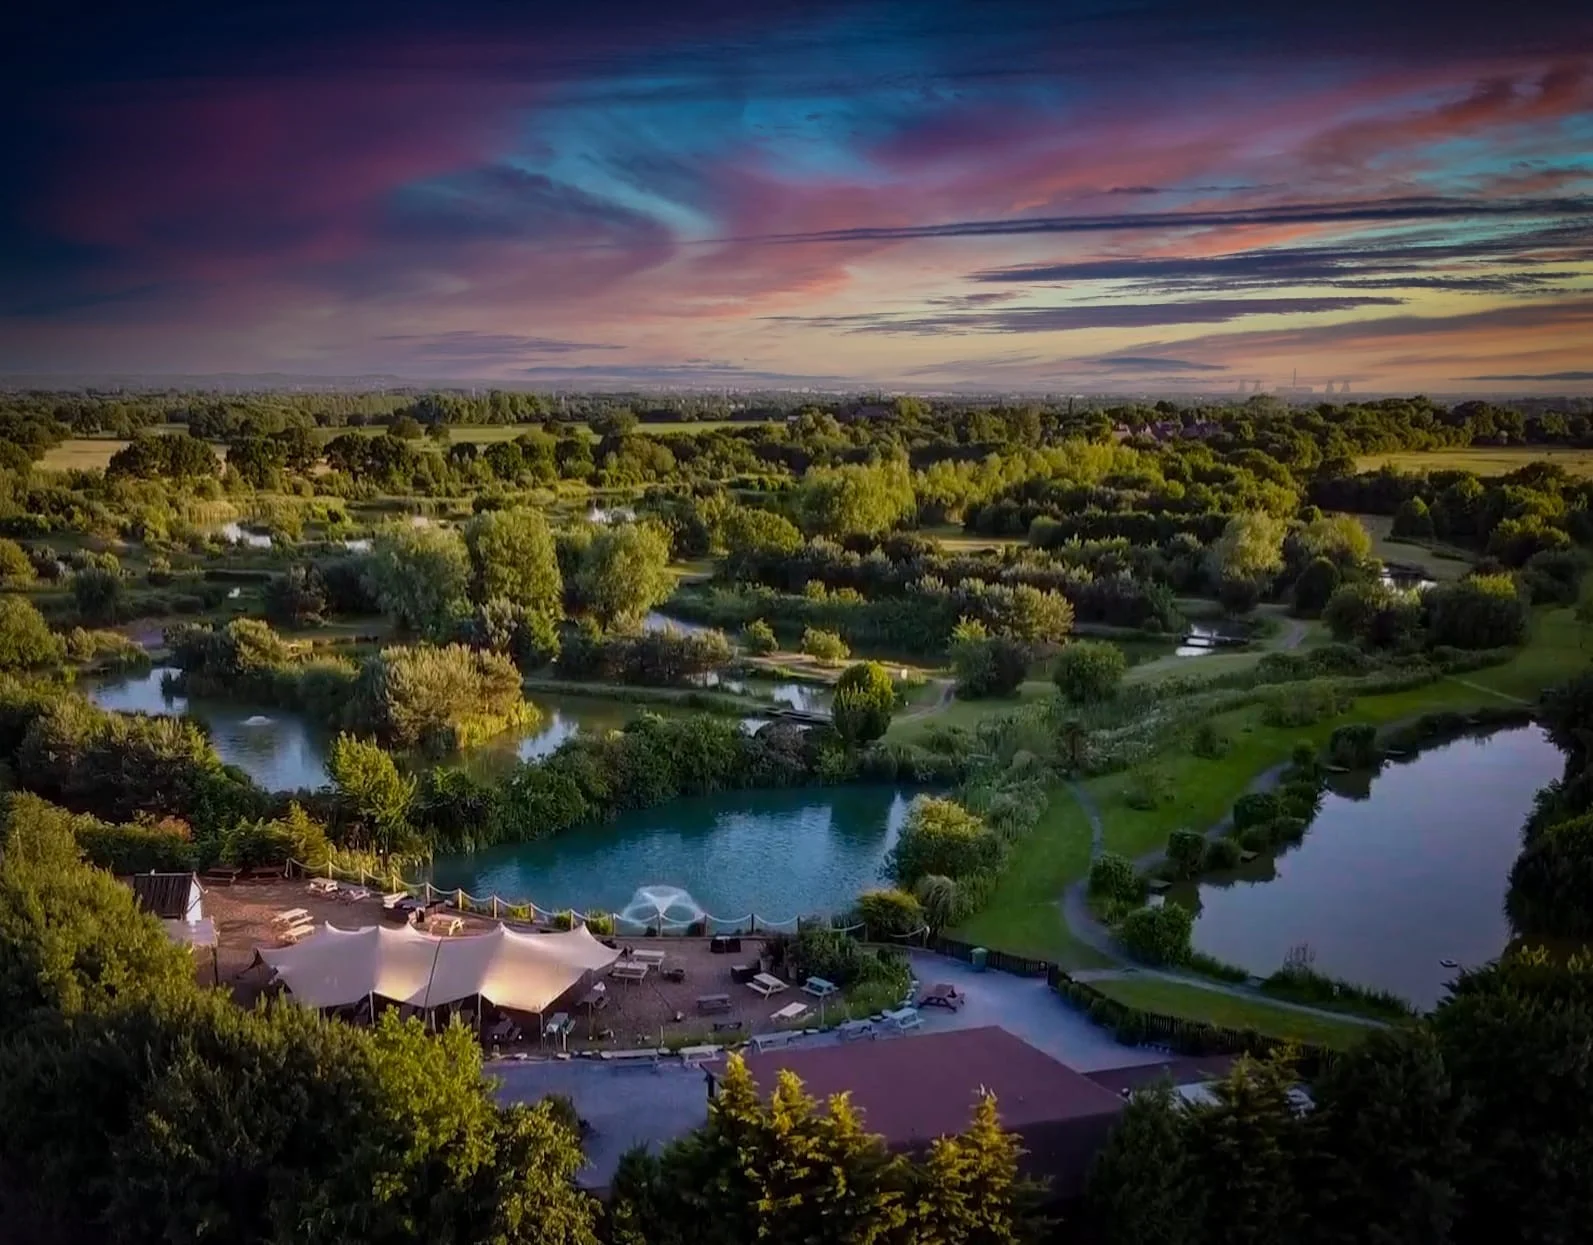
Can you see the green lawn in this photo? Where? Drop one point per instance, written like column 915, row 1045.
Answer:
column 965, row 713
column 1482, row 460
column 1437, row 561
column 1170, row 998
column 1023, row 916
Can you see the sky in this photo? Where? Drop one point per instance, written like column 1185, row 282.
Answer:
column 1057, row 196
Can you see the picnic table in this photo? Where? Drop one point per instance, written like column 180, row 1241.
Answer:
column 629, row 970
column 943, row 994
column 293, row 916
column 594, row 999
column 649, row 955
column 767, row 984
column 708, row 1004
column 791, row 1011
column 819, row 988
column 323, row 886
column 853, row 1029
column 444, row 926
column 903, row 1019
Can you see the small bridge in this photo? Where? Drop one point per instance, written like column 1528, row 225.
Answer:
column 1209, row 639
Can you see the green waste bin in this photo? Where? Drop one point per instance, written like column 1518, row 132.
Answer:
column 976, row 957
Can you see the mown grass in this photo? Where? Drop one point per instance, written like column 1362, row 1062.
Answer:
column 1024, row 915
column 1436, row 561
column 1482, row 460
column 1171, row 998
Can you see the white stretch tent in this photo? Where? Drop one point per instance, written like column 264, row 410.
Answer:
column 523, row 972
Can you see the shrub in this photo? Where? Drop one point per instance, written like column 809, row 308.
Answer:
column 942, row 837
column 1221, row 854
column 1354, row 745
column 864, row 701
column 1479, row 612
column 758, row 638
column 890, row 912
column 1286, row 829
column 1315, row 586
column 16, row 568
column 601, row 924
column 1305, row 705
column 1551, row 881
column 1147, row 788
column 824, row 646
column 937, row 898
column 1186, row 851
column 437, row 697
column 1158, row 935
column 97, row 594
column 26, row 641
column 1209, row 742
column 1255, row 808
column 989, row 666
column 1113, row 877
column 1089, row 671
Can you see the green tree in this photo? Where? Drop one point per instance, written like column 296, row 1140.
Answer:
column 438, row 698
column 1089, row 671
column 967, row 1190
column 987, row 665
column 372, row 791
column 1114, row 877
column 1481, row 611
column 16, row 568
column 1316, row 584
column 26, row 641
column 97, row 593
column 1551, row 882
column 1386, row 1144
column 1250, row 547
column 1340, row 538
column 512, row 556
column 758, row 638
column 1158, row 935
column 826, row 646
column 421, row 578
column 855, row 500
column 940, row 836
column 937, row 897
column 1413, row 520
column 865, row 698
column 1246, row 1152
column 889, row 912
column 624, row 572
column 748, row 532
column 1141, row 1190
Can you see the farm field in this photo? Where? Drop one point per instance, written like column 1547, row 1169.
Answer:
column 1487, row 460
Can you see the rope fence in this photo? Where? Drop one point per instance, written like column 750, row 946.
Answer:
column 525, row 911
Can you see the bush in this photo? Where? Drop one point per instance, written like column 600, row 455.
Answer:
column 1354, row 745
column 1315, row 586
column 439, row 698
column 1221, row 854
column 137, row 847
column 942, row 837
column 1147, row 788
column 1552, row 880
column 890, row 912
column 1158, row 935
column 1285, row 829
column 1113, row 877
column 1255, row 808
column 97, row 594
column 937, row 897
column 758, row 638
column 989, row 666
column 26, row 641
column 1479, row 612
column 864, row 701
column 1089, row 671
column 1186, row 852
column 824, row 646
column 1209, row 742
column 16, row 568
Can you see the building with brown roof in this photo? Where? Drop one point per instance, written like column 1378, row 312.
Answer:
column 912, row 1090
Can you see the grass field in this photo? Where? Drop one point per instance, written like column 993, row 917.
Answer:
column 1170, row 998
column 1482, row 460
column 81, row 454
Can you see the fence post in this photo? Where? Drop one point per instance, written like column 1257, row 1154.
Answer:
column 495, row 907
column 459, row 899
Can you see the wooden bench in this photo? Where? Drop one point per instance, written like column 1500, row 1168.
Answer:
column 710, row 1004
column 768, row 1041
column 728, row 1026
column 854, row 1029
column 693, row 1055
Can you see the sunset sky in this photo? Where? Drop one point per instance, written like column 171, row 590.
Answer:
column 1006, row 196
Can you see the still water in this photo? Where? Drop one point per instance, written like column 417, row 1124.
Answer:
column 282, row 751
column 1394, row 875
column 779, row 854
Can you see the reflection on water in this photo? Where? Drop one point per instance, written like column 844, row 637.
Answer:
column 777, row 853
column 282, row 751
column 1202, row 638
column 1388, row 883
column 237, row 535
column 655, row 621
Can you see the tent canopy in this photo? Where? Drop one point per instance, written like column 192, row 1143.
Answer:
column 524, row 972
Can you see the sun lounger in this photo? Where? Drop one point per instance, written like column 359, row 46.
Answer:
column 646, row 1056
column 790, row 1012
column 819, row 988
column 353, row 894
column 903, row 1019
column 393, row 900
column 767, row 984
column 293, row 916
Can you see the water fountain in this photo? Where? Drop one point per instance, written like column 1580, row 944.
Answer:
column 661, row 907
column 258, row 719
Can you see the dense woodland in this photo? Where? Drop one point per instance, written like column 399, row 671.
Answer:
column 415, row 577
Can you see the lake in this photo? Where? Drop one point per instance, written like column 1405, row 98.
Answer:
column 780, row 854
column 282, row 751
column 1394, row 875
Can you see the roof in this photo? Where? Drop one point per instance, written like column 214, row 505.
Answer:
column 912, row 1090
column 164, row 894
column 522, row 972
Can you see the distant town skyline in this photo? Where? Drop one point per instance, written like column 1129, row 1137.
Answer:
column 1005, row 196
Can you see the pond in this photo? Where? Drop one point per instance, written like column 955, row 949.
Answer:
column 1394, row 876
column 283, row 751
column 780, row 854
